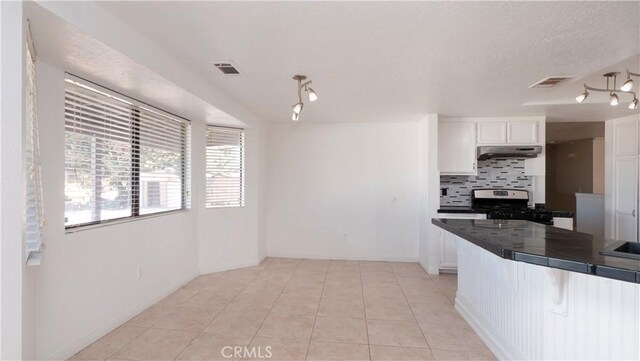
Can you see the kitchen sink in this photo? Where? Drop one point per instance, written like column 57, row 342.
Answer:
column 622, row 249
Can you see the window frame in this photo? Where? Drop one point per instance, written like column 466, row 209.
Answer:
column 135, row 205
column 242, row 167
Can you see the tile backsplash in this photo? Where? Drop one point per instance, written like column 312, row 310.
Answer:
column 492, row 173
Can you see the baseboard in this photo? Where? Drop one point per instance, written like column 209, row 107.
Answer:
column 228, row 266
column 343, row 258
column 429, row 270
column 496, row 343
column 96, row 334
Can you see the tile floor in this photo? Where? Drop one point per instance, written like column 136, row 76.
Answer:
column 292, row 309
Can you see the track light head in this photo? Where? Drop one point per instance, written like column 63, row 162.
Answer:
column 627, row 86
column 312, row 94
column 634, row 104
column 297, row 108
column 613, row 100
column 295, row 117
column 580, row 98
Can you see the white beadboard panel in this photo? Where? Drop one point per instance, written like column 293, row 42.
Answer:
column 523, row 311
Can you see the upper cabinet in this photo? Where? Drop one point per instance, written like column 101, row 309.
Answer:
column 491, row 132
column 458, row 139
column 507, row 132
column 525, row 132
column 625, row 133
column 457, row 148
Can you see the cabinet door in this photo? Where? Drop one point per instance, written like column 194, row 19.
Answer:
column 492, row 132
column 625, row 198
column 625, row 135
column 449, row 256
column 449, row 241
column 522, row 132
column 457, row 148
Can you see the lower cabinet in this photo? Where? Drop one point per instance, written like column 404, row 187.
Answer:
column 448, row 242
column 563, row 222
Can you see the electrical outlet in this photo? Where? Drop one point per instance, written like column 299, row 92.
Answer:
column 139, row 273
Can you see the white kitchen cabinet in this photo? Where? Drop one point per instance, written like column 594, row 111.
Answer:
column 590, row 213
column 625, row 172
column 523, row 132
column 492, row 132
column 457, row 148
column 497, row 132
column 563, row 222
column 449, row 242
column 625, row 138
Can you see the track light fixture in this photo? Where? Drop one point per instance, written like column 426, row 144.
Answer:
column 628, row 85
column 580, row 98
column 306, row 86
column 614, row 98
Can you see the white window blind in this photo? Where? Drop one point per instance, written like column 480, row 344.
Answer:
column 34, row 214
column 225, row 167
column 123, row 159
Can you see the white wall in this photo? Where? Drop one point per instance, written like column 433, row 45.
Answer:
column 229, row 237
column 429, row 245
column 15, row 309
column 344, row 190
column 87, row 282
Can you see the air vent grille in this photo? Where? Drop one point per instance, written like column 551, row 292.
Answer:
column 549, row 81
column 227, row 68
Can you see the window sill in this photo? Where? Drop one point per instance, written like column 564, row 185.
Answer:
column 76, row 229
column 223, row 207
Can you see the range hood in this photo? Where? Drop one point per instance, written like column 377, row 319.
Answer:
column 503, row 151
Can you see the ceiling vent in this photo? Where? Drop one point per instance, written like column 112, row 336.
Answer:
column 227, row 68
column 549, row 81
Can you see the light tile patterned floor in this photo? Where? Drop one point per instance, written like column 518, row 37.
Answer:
column 301, row 310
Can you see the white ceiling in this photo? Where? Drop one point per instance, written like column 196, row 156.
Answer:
column 564, row 132
column 385, row 61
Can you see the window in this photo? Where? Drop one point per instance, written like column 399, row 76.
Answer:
column 123, row 158
column 34, row 214
column 225, row 167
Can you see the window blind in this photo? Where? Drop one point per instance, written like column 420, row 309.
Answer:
column 122, row 158
column 34, row 214
column 224, row 167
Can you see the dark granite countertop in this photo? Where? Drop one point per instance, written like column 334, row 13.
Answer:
column 468, row 209
column 563, row 214
column 542, row 245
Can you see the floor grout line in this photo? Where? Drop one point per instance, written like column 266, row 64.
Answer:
column 151, row 327
column 217, row 314
column 317, row 309
column 274, row 303
column 364, row 309
column 414, row 315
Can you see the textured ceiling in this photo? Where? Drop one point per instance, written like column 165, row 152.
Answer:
column 563, row 132
column 381, row 61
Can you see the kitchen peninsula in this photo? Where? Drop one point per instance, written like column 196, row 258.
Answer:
column 534, row 291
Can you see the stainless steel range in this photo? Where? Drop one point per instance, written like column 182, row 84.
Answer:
column 508, row 204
